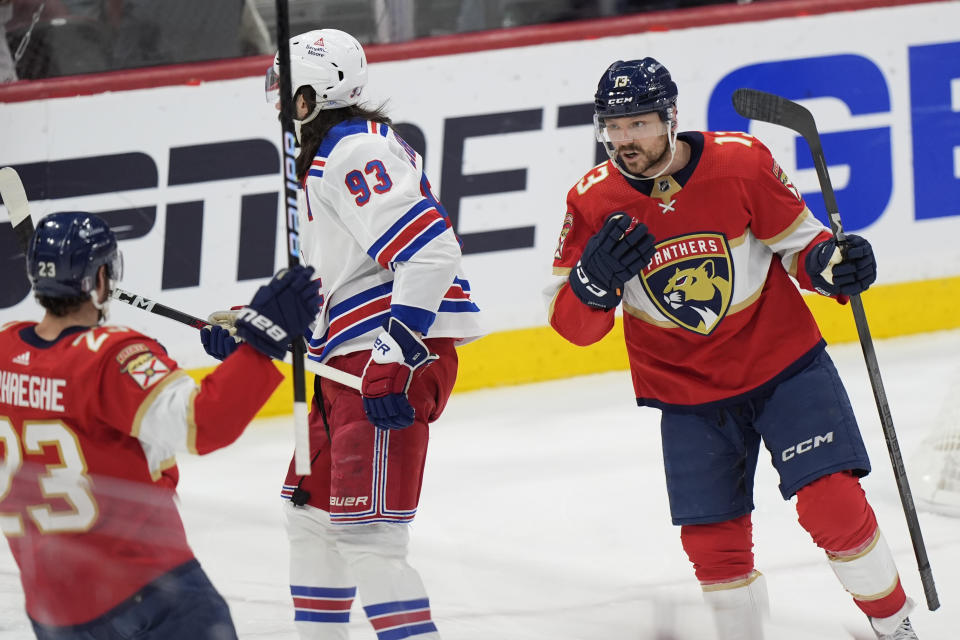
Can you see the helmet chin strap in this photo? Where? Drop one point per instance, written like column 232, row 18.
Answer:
column 310, row 117
column 672, row 137
column 103, row 308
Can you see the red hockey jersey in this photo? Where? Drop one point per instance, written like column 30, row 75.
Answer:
column 89, row 425
column 715, row 315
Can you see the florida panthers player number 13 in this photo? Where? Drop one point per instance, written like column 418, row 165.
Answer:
column 700, row 237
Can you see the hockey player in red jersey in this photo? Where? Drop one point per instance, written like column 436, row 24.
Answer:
column 396, row 305
column 701, row 238
column 91, row 417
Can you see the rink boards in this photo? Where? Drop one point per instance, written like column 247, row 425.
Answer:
column 191, row 180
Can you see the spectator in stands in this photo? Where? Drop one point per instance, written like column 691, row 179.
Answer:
column 8, row 71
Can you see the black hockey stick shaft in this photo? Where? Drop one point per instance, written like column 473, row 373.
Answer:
column 290, row 188
column 767, row 107
column 151, row 306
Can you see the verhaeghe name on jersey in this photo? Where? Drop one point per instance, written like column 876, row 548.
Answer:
column 35, row 392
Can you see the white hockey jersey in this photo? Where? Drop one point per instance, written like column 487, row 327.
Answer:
column 381, row 243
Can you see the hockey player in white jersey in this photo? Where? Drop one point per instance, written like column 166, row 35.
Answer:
column 395, row 307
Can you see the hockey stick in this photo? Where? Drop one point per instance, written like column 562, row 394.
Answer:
column 301, row 431
column 15, row 199
column 758, row 105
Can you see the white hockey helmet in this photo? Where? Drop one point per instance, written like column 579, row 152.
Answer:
column 330, row 61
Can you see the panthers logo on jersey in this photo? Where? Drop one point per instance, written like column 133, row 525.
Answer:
column 690, row 280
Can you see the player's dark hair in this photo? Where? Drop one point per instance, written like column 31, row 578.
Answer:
column 313, row 132
column 61, row 307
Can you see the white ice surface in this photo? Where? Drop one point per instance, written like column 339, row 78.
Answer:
column 544, row 517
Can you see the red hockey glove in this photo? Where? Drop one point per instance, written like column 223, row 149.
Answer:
column 396, row 354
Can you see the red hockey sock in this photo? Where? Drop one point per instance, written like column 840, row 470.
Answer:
column 834, row 510
column 721, row 551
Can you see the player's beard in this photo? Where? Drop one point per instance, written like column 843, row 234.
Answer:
column 646, row 160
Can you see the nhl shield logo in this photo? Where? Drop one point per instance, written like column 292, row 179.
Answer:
column 690, row 280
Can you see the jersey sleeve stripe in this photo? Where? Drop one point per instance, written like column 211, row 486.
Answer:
column 370, row 324
column 156, row 471
column 414, row 317
column 344, row 322
column 192, row 423
column 463, row 284
column 358, row 299
column 149, row 400
column 459, row 289
column 316, row 167
column 414, row 238
column 358, row 314
column 458, row 306
column 412, row 214
column 317, row 343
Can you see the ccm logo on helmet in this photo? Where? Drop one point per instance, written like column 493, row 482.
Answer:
column 806, row 445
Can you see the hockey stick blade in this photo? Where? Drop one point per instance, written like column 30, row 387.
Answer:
column 767, row 107
column 18, row 207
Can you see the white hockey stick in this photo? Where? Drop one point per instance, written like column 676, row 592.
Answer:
column 15, row 199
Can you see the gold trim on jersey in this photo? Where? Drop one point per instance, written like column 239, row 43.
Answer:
column 156, row 474
column 877, row 596
column 732, row 584
column 664, row 189
column 666, row 324
column 789, row 230
column 7, row 325
column 649, row 319
column 749, row 300
column 151, row 397
column 192, row 422
column 736, row 242
column 794, row 261
column 855, row 556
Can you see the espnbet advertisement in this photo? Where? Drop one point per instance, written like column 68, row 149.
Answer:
column 189, row 178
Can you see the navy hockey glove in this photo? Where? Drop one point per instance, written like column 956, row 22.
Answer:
column 848, row 269
column 397, row 353
column 218, row 341
column 612, row 256
column 282, row 308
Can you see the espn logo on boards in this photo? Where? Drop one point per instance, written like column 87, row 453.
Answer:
column 805, row 446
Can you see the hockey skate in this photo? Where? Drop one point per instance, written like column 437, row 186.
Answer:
column 904, row 631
